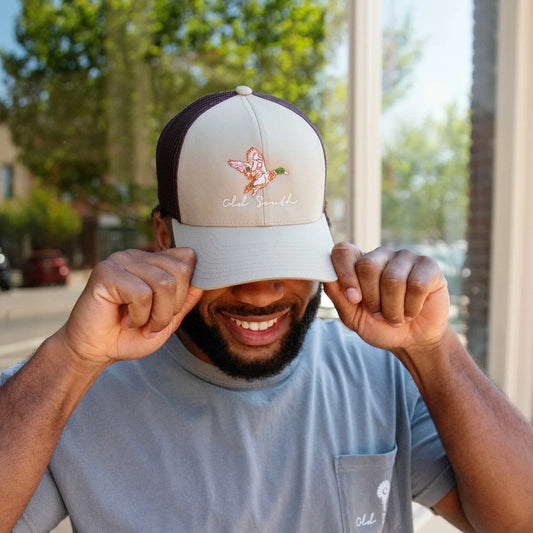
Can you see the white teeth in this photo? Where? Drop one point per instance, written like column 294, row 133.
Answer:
column 255, row 326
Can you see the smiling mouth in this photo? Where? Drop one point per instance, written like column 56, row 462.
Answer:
column 254, row 326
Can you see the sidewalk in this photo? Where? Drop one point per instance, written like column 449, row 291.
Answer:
column 27, row 301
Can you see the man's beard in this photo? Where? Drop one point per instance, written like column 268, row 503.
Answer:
column 211, row 342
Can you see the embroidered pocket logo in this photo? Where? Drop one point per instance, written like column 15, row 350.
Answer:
column 383, row 494
column 254, row 168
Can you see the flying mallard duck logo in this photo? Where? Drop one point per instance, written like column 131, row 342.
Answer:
column 255, row 170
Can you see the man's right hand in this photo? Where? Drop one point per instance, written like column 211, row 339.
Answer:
column 131, row 305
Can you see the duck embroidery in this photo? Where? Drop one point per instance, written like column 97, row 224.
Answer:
column 255, row 170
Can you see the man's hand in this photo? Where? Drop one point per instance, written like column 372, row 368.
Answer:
column 393, row 300
column 399, row 301
column 132, row 303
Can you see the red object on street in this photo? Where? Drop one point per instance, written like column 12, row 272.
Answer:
column 45, row 267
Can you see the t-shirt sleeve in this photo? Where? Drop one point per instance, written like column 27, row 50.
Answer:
column 11, row 371
column 431, row 472
column 46, row 508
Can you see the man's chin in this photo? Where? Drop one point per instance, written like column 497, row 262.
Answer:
column 235, row 359
column 243, row 361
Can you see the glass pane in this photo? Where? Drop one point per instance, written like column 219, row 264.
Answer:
column 333, row 125
column 437, row 144
column 425, row 127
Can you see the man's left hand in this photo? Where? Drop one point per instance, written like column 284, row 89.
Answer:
column 392, row 299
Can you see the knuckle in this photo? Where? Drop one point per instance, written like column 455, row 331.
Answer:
column 392, row 283
column 143, row 294
column 189, row 254
column 115, row 257
column 167, row 282
column 406, row 254
column 342, row 254
column 105, row 270
column 184, row 269
column 365, row 266
column 383, row 249
column 186, row 255
column 102, row 267
column 428, row 262
column 123, row 255
column 345, row 252
column 416, row 285
column 343, row 247
column 381, row 253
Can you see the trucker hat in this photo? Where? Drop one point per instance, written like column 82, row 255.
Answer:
column 243, row 175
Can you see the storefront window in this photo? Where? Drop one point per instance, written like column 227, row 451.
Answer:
column 431, row 153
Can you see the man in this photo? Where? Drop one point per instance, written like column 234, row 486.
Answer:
column 254, row 416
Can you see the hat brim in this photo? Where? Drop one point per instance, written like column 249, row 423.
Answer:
column 230, row 256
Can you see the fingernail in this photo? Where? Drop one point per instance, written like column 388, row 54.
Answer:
column 378, row 316
column 353, row 295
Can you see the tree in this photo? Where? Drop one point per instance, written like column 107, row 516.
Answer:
column 425, row 180
column 401, row 51
column 55, row 89
column 42, row 217
column 97, row 79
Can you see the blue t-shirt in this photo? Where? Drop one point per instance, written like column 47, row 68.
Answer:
column 339, row 441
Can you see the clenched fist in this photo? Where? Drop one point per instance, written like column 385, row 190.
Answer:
column 392, row 299
column 132, row 303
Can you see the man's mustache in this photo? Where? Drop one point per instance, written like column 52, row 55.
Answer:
column 244, row 310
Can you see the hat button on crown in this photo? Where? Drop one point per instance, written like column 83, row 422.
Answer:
column 243, row 90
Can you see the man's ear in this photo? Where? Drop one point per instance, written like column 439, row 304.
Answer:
column 163, row 231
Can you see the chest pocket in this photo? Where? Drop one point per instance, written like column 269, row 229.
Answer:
column 364, row 482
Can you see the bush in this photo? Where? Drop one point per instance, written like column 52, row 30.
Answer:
column 46, row 220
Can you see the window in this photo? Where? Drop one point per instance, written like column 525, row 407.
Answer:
column 426, row 137
column 7, row 181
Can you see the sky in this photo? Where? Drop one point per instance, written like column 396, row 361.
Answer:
column 8, row 11
column 444, row 73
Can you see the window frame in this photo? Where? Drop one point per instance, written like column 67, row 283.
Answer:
column 510, row 360
column 511, row 285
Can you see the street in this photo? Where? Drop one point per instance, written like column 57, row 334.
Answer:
column 27, row 317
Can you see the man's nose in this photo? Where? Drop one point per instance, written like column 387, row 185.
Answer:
column 259, row 293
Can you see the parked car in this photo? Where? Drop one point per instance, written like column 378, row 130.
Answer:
column 45, row 267
column 5, row 272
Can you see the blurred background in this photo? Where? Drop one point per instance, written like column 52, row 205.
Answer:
column 426, row 109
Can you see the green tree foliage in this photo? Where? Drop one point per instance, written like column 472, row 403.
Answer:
column 94, row 81
column 425, row 180
column 400, row 54
column 12, row 222
column 46, row 220
column 56, row 89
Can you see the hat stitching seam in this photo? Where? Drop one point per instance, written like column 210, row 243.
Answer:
column 251, row 110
